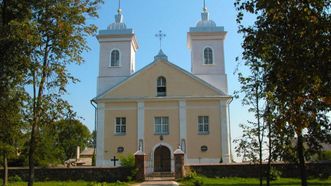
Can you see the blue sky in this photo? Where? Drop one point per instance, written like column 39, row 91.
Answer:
column 147, row 17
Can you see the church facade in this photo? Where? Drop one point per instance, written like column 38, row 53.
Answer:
column 162, row 107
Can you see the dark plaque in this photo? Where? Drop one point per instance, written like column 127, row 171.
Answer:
column 204, row 148
column 120, row 149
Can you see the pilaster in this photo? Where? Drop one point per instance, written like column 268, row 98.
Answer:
column 141, row 125
column 100, row 134
column 225, row 133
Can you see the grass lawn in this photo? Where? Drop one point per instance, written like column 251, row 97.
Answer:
column 69, row 183
column 255, row 182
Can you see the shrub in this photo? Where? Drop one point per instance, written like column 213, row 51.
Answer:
column 129, row 163
column 15, row 178
column 325, row 155
column 275, row 174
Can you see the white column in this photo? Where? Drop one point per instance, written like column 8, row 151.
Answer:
column 141, row 124
column 225, row 133
column 182, row 123
column 100, row 134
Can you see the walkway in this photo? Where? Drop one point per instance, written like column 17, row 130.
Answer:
column 156, row 183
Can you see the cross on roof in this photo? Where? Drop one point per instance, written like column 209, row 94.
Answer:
column 204, row 5
column 119, row 10
column 160, row 35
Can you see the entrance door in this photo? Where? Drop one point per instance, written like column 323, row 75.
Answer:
column 162, row 159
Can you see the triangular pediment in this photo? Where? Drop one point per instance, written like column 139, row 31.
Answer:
column 179, row 83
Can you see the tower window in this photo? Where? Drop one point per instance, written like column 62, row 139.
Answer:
column 208, row 56
column 115, row 58
column 161, row 86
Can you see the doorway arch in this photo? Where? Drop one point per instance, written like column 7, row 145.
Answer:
column 162, row 159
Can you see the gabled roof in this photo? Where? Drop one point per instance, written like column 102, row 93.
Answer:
column 157, row 61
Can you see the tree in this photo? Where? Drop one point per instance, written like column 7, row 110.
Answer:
column 292, row 39
column 253, row 86
column 13, row 61
column 59, row 30
column 70, row 134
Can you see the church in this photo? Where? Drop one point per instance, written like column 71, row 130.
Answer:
column 162, row 107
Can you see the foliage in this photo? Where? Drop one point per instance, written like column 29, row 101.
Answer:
column 70, row 133
column 192, row 178
column 72, row 183
column 255, row 182
column 56, row 37
column 13, row 60
column 275, row 174
column 129, row 163
column 292, row 41
column 324, row 155
column 14, row 178
column 247, row 145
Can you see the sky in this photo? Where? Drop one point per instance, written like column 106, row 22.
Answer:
column 146, row 18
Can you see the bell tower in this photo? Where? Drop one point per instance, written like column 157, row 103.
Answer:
column 206, row 42
column 118, row 47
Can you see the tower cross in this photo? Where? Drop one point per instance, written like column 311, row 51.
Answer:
column 204, row 5
column 160, row 35
column 119, row 4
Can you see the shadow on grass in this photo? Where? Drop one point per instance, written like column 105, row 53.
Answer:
column 280, row 184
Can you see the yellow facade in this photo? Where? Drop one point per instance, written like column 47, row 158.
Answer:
column 186, row 99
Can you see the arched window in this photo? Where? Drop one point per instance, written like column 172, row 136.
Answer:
column 115, row 58
column 208, row 56
column 161, row 86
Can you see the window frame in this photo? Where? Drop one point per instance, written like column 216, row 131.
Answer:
column 163, row 126
column 161, row 86
column 210, row 56
column 111, row 65
column 121, row 126
column 203, row 124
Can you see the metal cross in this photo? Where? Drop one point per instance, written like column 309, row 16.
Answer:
column 204, row 5
column 160, row 35
column 114, row 160
column 119, row 4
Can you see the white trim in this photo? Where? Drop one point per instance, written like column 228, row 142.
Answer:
column 100, row 134
column 202, row 107
column 171, row 156
column 120, row 108
column 141, row 123
column 225, row 133
column 203, row 55
column 182, row 122
column 119, row 58
column 162, row 108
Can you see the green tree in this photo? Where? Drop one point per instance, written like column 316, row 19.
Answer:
column 292, row 39
column 252, row 86
column 70, row 134
column 59, row 32
column 13, row 61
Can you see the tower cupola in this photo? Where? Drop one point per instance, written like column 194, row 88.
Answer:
column 118, row 47
column 206, row 42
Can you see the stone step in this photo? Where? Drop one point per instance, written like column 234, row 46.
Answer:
column 147, row 179
column 161, row 183
column 161, row 174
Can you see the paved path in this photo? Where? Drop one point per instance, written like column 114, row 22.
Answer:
column 156, row 183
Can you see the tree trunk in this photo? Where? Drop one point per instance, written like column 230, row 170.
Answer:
column 301, row 158
column 269, row 157
column 5, row 170
column 31, row 155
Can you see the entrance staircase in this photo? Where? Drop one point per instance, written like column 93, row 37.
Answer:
column 160, row 176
